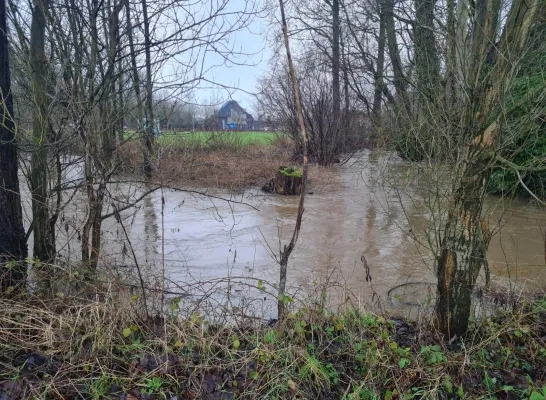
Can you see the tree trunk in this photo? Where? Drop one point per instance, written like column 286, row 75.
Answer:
column 464, row 252
column 287, row 250
column 44, row 242
column 336, row 60
column 148, row 109
column 379, row 71
column 121, row 103
column 387, row 10
column 134, row 67
column 451, row 57
column 426, row 55
column 346, row 90
column 466, row 236
column 462, row 48
column 287, row 181
column 13, row 247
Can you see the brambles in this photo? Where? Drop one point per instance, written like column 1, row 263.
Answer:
column 311, row 354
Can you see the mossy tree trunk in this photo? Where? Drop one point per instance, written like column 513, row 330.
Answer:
column 286, row 181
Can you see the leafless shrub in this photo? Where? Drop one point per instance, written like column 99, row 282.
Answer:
column 331, row 133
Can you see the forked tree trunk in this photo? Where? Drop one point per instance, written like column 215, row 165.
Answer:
column 466, row 236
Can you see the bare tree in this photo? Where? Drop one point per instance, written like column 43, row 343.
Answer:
column 287, row 250
column 466, row 236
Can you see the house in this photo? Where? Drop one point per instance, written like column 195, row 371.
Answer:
column 233, row 116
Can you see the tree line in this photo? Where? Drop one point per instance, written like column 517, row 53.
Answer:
column 73, row 73
column 458, row 84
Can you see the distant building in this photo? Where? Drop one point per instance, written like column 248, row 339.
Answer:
column 234, row 117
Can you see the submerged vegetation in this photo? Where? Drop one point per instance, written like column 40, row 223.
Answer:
column 69, row 348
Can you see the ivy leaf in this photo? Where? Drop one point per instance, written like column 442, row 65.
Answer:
column 403, row 362
column 175, row 303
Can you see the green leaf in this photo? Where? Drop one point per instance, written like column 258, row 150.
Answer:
column 536, row 396
column 175, row 303
column 447, row 384
column 127, row 332
column 270, row 337
column 261, row 285
column 236, row 343
column 403, row 362
column 436, row 348
column 285, row 298
column 300, row 327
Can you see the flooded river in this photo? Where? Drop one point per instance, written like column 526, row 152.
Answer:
column 352, row 215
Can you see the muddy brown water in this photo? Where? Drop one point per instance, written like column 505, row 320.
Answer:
column 356, row 212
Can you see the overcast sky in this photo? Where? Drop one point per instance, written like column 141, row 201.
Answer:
column 242, row 78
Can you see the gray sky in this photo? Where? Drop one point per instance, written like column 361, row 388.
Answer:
column 251, row 41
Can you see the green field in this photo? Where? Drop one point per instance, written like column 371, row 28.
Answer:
column 211, row 138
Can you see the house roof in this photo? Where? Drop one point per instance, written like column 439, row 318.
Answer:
column 225, row 111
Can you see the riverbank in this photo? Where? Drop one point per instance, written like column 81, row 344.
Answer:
column 222, row 160
column 71, row 348
column 232, row 161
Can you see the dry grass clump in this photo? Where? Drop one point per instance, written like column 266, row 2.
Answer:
column 223, row 163
column 68, row 348
column 229, row 166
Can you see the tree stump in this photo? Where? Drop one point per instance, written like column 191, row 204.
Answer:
column 287, row 181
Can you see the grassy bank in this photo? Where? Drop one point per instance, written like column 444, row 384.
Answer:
column 205, row 138
column 70, row 348
column 232, row 160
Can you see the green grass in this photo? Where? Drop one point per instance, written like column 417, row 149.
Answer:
column 109, row 352
column 201, row 138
